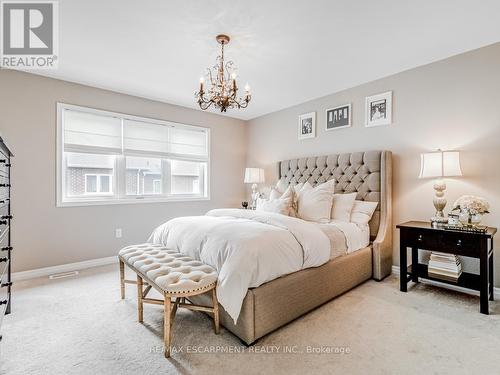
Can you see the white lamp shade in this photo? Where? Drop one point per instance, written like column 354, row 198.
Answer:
column 254, row 176
column 440, row 164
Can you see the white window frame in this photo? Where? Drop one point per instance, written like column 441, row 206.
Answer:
column 117, row 181
column 98, row 184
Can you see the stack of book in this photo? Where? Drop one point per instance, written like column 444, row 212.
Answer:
column 445, row 266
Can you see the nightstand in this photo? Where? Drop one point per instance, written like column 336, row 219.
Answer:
column 422, row 235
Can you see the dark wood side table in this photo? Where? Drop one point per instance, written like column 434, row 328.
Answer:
column 421, row 235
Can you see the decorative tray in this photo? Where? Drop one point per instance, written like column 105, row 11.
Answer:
column 463, row 228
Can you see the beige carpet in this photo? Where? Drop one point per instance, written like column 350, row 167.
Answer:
column 80, row 326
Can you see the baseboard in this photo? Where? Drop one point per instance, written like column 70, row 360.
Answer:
column 46, row 271
column 496, row 291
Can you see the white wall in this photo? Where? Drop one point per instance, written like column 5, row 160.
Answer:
column 453, row 104
column 44, row 235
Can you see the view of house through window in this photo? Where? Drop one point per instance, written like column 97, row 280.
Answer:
column 141, row 174
column 186, row 177
column 112, row 157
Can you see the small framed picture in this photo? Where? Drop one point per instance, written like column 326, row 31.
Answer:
column 307, row 125
column 379, row 109
column 338, row 117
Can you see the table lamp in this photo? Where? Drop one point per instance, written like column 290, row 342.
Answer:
column 254, row 176
column 440, row 164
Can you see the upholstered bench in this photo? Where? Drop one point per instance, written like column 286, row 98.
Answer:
column 172, row 274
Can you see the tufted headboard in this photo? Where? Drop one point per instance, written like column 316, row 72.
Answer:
column 368, row 173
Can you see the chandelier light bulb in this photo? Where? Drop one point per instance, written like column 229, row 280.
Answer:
column 233, row 75
column 202, row 79
column 247, row 88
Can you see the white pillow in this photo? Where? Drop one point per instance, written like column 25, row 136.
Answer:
column 281, row 186
column 342, row 206
column 315, row 204
column 275, row 194
column 362, row 212
column 281, row 205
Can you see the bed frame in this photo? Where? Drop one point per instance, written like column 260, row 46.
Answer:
column 280, row 301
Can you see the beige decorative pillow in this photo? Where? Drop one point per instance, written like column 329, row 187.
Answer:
column 342, row 206
column 315, row 204
column 362, row 212
column 281, row 205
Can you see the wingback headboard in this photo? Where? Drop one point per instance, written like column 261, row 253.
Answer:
column 369, row 174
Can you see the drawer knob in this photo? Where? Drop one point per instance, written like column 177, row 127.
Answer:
column 420, row 237
column 4, row 259
column 3, row 222
column 6, row 284
column 459, row 243
column 4, row 302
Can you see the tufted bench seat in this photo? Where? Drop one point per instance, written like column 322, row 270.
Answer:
column 172, row 274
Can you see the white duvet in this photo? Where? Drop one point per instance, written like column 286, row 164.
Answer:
column 247, row 248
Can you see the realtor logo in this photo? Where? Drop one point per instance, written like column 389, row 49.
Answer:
column 29, row 35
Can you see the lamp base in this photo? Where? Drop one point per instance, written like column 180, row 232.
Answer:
column 255, row 196
column 439, row 203
column 438, row 220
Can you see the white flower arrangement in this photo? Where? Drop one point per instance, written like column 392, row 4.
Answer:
column 471, row 204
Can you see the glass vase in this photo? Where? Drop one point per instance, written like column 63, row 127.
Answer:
column 470, row 220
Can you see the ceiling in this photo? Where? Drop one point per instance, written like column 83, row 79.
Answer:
column 289, row 51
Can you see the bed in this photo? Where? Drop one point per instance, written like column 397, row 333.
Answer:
column 276, row 302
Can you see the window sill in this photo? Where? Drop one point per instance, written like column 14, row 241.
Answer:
column 106, row 202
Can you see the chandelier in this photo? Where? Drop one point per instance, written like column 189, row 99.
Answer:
column 222, row 90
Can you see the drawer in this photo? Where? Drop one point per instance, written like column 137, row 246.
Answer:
column 4, row 233
column 4, row 266
column 462, row 244
column 4, row 300
column 4, row 242
column 4, row 297
column 4, row 226
column 4, row 182
column 4, row 169
column 4, row 210
column 422, row 239
column 4, row 188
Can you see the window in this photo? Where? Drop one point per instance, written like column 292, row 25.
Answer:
column 186, row 177
column 98, row 184
column 106, row 157
column 156, row 186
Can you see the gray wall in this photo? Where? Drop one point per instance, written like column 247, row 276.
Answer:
column 451, row 104
column 45, row 235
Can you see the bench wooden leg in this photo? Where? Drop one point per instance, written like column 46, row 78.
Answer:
column 122, row 279
column 139, row 299
column 216, row 310
column 167, row 325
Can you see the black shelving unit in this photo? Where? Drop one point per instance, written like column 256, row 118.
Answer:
column 5, row 230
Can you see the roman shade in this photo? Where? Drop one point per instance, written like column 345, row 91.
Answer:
column 106, row 134
column 164, row 140
column 92, row 133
